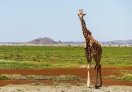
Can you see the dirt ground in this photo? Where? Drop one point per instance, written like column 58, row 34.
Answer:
column 80, row 72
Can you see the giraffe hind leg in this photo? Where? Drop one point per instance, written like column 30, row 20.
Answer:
column 98, row 70
column 98, row 75
column 96, row 84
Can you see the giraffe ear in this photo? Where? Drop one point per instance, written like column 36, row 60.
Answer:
column 78, row 13
column 79, row 9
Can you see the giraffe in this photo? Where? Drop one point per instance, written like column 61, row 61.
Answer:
column 92, row 49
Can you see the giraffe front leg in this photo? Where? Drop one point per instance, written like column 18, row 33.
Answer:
column 88, row 77
column 89, row 58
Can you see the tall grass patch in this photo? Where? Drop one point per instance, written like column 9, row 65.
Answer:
column 59, row 56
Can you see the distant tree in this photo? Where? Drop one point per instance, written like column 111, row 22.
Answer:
column 60, row 41
column 37, row 40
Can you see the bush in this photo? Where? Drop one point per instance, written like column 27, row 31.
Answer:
column 3, row 77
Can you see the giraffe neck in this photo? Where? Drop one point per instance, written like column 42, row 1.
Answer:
column 86, row 32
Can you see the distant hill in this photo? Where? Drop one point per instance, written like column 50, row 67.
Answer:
column 44, row 40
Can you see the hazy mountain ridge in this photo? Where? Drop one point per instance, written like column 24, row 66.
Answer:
column 46, row 40
column 117, row 42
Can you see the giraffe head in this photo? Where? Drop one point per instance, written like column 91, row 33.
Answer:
column 81, row 14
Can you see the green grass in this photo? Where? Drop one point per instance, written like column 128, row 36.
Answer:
column 59, row 56
column 117, row 56
column 127, row 76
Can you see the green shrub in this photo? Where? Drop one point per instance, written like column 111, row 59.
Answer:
column 3, row 77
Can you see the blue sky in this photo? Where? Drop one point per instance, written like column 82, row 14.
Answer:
column 25, row 20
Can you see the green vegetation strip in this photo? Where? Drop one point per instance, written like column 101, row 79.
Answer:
column 39, row 77
column 123, row 76
column 38, row 57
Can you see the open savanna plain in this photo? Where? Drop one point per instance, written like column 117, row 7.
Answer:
column 62, row 69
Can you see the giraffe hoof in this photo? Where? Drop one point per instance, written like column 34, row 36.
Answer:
column 100, row 85
column 97, row 87
column 88, row 85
